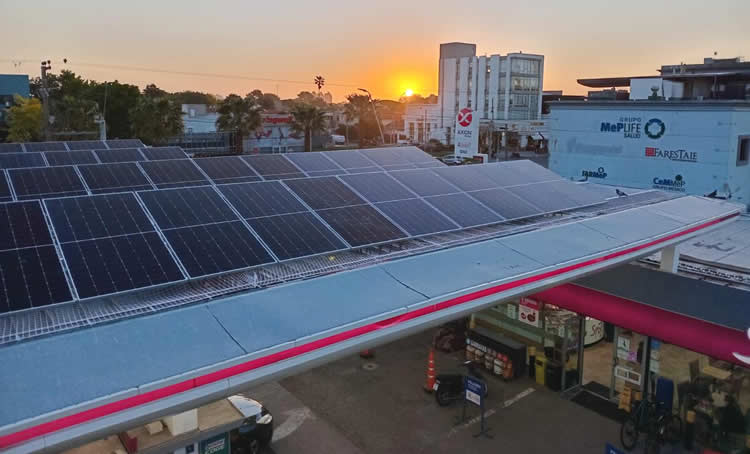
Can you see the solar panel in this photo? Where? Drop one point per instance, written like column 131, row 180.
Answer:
column 227, row 169
column 86, row 145
column 429, row 164
column 425, row 183
column 101, row 216
column 267, row 198
column 400, row 167
column 273, row 165
column 324, row 192
column 45, row 146
column 105, row 266
column 579, row 194
column 42, row 182
column 217, row 248
column 531, row 171
column 467, row 178
column 328, row 173
column 361, row 225
column 377, row 187
column 5, row 194
column 312, row 162
column 21, row 160
column 31, row 274
column 502, row 175
column 69, row 158
column 350, row 160
column 11, row 148
column 463, row 210
column 386, row 156
column 120, row 177
column 186, row 207
column 296, row 235
column 544, row 196
column 415, row 155
column 161, row 153
column 124, row 143
column 120, row 155
column 174, row 173
column 505, row 203
column 416, row 217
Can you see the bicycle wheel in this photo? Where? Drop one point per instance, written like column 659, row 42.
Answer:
column 673, row 429
column 629, row 433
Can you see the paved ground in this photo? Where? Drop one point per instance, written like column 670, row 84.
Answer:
column 345, row 408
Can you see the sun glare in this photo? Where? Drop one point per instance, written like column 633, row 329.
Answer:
column 409, row 92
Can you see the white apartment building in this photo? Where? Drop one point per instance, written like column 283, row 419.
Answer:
column 504, row 90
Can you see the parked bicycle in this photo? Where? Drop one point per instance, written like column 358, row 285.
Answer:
column 653, row 419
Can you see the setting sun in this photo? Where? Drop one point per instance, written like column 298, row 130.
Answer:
column 409, row 92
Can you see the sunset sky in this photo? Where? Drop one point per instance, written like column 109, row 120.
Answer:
column 387, row 46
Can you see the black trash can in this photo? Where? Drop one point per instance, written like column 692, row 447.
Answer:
column 553, row 377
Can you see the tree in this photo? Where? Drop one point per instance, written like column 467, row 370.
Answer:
column 25, row 120
column 152, row 91
column 267, row 101
column 195, row 97
column 319, row 82
column 238, row 114
column 117, row 102
column 358, row 108
column 309, row 120
column 75, row 114
column 156, row 119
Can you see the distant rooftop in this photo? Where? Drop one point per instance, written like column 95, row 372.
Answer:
column 14, row 84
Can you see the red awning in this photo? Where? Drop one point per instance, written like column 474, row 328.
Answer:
column 697, row 335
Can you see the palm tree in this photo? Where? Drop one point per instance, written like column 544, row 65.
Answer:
column 238, row 114
column 309, row 120
column 359, row 108
column 319, row 82
column 156, row 119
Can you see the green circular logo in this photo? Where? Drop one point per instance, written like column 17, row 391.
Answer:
column 655, row 128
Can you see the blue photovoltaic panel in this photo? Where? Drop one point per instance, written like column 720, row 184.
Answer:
column 544, row 196
column 120, row 177
column 69, row 158
column 425, row 182
column 578, row 193
column 327, row 173
column 174, row 173
column 400, row 167
column 267, row 198
column 42, row 182
column 312, row 162
column 23, row 226
column 505, row 203
column 463, row 210
column 416, row 217
column 273, row 166
column 386, row 156
column 120, row 155
column 466, row 178
column 350, row 160
column 227, row 169
column 415, row 155
column 105, row 266
column 324, row 192
column 11, row 148
column 532, row 172
column 124, row 143
column 161, row 153
column 101, row 216
column 86, row 145
column 377, row 187
column 21, row 160
column 429, row 164
column 361, row 225
column 185, row 207
column 45, row 146
column 5, row 195
column 296, row 235
column 217, row 248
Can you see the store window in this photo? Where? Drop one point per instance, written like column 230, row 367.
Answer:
column 743, row 150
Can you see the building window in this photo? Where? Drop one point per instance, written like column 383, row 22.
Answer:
column 743, row 151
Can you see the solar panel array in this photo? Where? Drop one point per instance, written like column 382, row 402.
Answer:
column 71, row 145
column 132, row 225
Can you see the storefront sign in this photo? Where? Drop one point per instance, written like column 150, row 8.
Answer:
column 629, row 127
column 673, row 155
column 467, row 133
column 670, row 184
column 598, row 173
column 528, row 312
column 215, row 445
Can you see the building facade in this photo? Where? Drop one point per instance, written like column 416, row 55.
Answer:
column 10, row 86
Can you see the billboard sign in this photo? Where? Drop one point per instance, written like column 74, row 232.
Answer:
column 528, row 312
column 467, row 133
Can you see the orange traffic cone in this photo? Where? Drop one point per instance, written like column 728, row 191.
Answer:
column 430, row 383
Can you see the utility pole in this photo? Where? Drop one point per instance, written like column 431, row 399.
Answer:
column 46, row 66
column 377, row 120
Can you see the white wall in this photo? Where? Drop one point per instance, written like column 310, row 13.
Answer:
column 641, row 88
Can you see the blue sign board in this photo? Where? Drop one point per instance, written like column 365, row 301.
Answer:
column 474, row 390
column 609, row 449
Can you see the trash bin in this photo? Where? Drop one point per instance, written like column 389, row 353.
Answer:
column 553, row 376
column 540, row 365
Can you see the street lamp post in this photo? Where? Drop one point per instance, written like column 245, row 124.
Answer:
column 377, row 120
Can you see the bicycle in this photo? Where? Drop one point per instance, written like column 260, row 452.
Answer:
column 653, row 419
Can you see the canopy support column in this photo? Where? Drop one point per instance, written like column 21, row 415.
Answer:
column 670, row 259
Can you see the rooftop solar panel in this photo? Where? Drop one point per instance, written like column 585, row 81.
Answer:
column 425, row 182
column 21, row 160
column 312, row 162
column 463, row 210
column 23, row 226
column 416, row 217
column 505, row 203
column 174, row 173
column 531, row 171
column 324, row 192
column 502, row 175
column 351, row 159
column 377, row 187
column 217, row 248
column 86, row 145
column 185, row 207
column 227, row 169
column 161, row 153
column 579, row 194
column 42, row 182
column 429, row 164
column 5, row 194
column 124, row 143
column 466, row 178
column 364, row 170
column 415, row 155
column 45, row 146
column 272, row 165
column 119, row 177
column 361, row 225
column 120, row 155
column 386, row 156
column 296, row 235
column 544, row 196
column 69, row 158
column 267, row 198
column 11, row 148
column 327, row 173
column 400, row 167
